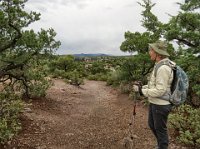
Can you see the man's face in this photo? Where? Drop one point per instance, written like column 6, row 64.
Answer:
column 152, row 54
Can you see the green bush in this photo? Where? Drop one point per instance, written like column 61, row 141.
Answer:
column 39, row 88
column 75, row 78
column 133, row 68
column 92, row 77
column 114, row 78
column 97, row 67
column 185, row 122
column 11, row 106
column 39, row 82
column 59, row 73
column 98, row 77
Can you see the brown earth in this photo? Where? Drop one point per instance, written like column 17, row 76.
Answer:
column 94, row 116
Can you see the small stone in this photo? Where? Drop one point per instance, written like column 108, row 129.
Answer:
column 27, row 110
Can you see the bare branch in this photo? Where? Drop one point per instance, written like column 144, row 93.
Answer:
column 186, row 42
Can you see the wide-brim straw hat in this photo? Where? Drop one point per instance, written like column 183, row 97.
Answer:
column 160, row 47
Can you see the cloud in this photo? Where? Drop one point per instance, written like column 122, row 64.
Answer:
column 79, row 3
column 45, row 5
column 95, row 26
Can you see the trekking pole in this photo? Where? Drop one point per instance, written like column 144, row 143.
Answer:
column 135, row 97
column 129, row 142
column 134, row 112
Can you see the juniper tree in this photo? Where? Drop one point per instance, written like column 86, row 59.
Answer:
column 20, row 48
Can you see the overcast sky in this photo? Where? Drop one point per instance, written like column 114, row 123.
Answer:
column 94, row 26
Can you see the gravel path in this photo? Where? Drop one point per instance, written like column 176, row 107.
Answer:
column 94, row 116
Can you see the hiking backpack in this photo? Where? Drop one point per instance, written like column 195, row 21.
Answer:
column 179, row 86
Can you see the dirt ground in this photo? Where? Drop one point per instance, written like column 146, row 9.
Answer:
column 94, row 116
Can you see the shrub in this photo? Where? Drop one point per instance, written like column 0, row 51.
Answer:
column 98, row 77
column 97, row 67
column 39, row 88
column 11, row 105
column 185, row 122
column 114, row 78
column 58, row 73
column 76, row 78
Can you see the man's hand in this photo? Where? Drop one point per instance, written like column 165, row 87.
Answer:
column 137, row 87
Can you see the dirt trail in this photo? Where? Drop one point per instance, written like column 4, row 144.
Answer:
column 94, row 116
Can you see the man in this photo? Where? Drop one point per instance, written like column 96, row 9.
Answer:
column 158, row 86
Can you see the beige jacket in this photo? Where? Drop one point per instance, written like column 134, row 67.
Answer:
column 159, row 84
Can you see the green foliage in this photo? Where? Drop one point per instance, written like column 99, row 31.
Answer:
column 21, row 48
column 136, row 42
column 151, row 22
column 97, row 67
column 185, row 27
column 36, row 83
column 62, row 66
column 67, row 68
column 136, row 68
column 38, row 88
column 185, row 122
column 133, row 68
column 99, row 70
column 11, row 106
column 22, row 69
column 114, row 78
column 65, row 63
column 75, row 78
column 190, row 5
column 60, row 74
column 98, row 77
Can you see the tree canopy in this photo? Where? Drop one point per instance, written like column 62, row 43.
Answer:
column 20, row 48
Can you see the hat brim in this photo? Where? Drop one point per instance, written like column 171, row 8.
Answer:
column 161, row 52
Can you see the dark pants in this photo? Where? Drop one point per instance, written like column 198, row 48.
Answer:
column 158, row 115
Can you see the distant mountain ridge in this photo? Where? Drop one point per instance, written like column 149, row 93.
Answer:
column 90, row 55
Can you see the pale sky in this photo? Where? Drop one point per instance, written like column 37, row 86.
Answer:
column 95, row 26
